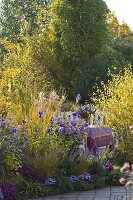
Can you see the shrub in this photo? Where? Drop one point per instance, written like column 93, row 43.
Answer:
column 64, row 184
column 95, row 166
column 99, row 182
column 29, row 189
column 81, row 166
column 44, row 163
column 83, row 186
column 112, row 177
column 10, row 150
column 68, row 166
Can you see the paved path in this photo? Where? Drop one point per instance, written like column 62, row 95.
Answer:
column 108, row 193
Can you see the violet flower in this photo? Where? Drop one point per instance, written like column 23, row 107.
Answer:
column 109, row 166
column 25, row 170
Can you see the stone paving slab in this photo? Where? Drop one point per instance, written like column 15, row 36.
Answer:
column 108, row 193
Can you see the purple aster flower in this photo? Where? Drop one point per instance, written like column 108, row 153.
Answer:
column 40, row 113
column 3, row 124
column 61, row 129
column 73, row 123
column 78, row 98
column 74, row 179
column 49, row 131
column 50, row 182
column 23, row 121
column 81, row 128
column 85, row 177
column 14, row 130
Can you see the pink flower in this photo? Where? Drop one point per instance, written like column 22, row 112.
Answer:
column 125, row 167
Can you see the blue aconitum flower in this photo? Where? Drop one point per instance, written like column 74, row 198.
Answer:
column 73, row 123
column 50, row 182
column 74, row 179
column 23, row 121
column 78, row 98
column 40, row 113
column 14, row 130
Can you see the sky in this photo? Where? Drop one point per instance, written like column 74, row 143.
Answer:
column 123, row 10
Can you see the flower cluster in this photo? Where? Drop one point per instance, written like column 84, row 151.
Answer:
column 8, row 191
column 67, row 124
column 85, row 177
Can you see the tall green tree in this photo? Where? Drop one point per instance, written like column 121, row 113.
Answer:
column 78, row 32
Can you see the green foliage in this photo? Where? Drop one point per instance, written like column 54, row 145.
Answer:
column 64, row 184
column 112, row 177
column 99, row 182
column 78, row 33
column 95, row 166
column 10, row 152
column 96, row 70
column 44, row 163
column 67, row 166
column 83, row 186
column 82, row 166
column 29, row 189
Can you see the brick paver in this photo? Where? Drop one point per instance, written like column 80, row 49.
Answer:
column 108, row 193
